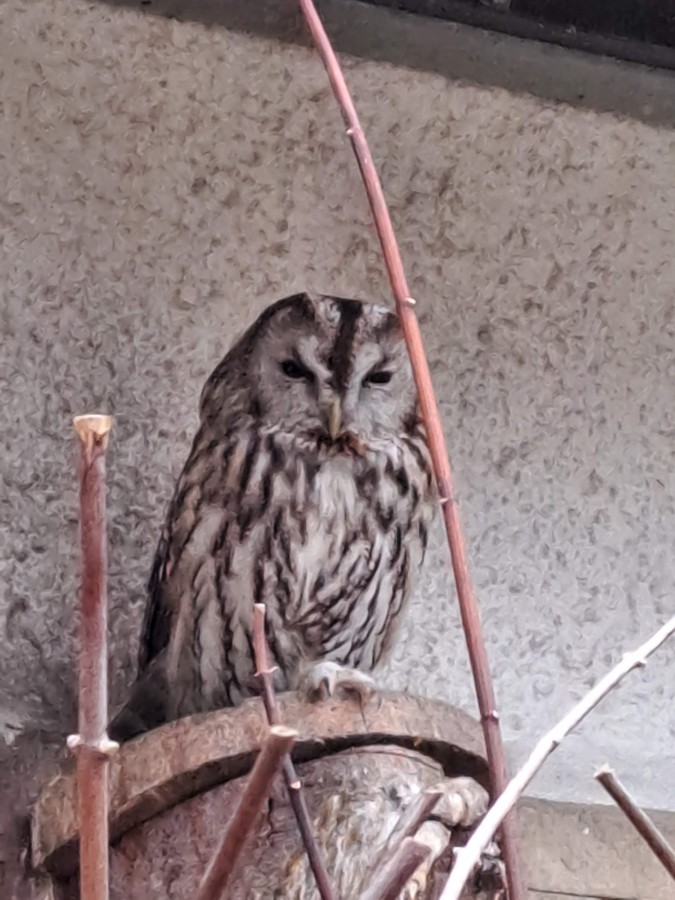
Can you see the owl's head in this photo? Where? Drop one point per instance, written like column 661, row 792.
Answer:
column 318, row 368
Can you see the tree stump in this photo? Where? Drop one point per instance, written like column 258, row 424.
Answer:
column 173, row 789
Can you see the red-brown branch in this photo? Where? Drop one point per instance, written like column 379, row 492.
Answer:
column 258, row 787
column 92, row 745
column 639, row 819
column 293, row 784
column 435, row 437
column 397, row 871
column 469, row 856
column 407, row 827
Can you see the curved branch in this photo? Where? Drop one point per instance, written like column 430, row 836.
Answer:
column 405, row 306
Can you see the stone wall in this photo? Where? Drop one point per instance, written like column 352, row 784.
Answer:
column 164, row 180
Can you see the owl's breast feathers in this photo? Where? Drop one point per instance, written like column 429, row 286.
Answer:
column 328, row 541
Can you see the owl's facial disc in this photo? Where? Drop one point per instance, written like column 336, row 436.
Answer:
column 332, row 371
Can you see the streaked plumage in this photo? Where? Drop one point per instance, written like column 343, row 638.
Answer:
column 308, row 488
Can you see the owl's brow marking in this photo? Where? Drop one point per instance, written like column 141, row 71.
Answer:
column 390, row 323
column 340, row 360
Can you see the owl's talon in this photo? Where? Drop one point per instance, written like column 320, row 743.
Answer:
column 329, row 679
column 462, row 803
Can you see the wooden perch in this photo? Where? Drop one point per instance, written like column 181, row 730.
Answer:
column 640, row 820
column 259, row 785
column 293, row 784
column 91, row 744
column 405, row 306
column 469, row 856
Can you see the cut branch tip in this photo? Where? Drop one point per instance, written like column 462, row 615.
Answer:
column 91, row 426
column 282, row 731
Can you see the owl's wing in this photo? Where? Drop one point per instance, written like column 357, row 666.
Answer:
column 216, row 502
column 157, row 618
column 145, row 708
column 183, row 518
column 175, row 563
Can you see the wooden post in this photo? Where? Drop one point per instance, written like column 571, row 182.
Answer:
column 91, row 744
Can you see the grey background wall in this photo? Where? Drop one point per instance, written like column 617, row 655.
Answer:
column 163, row 181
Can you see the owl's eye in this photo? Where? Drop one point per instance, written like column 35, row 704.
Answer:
column 379, row 377
column 294, row 369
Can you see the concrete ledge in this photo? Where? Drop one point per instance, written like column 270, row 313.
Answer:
column 591, row 851
column 538, row 895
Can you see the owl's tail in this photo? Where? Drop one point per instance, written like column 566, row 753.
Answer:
column 147, row 706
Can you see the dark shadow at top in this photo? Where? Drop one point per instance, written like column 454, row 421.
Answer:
column 456, row 51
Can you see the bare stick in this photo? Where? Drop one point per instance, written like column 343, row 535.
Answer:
column 469, row 856
column 293, row 784
column 640, row 820
column 241, row 822
column 397, row 871
column 92, row 745
column 264, row 671
column 408, row 825
column 437, row 447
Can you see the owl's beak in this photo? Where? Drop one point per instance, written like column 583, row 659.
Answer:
column 335, row 418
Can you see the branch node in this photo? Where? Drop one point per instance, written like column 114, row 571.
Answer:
column 107, row 747
column 265, row 673
column 74, row 742
column 104, row 747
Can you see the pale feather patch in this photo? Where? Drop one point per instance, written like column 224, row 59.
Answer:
column 204, row 534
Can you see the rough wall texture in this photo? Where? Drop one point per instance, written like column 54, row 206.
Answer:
column 163, row 181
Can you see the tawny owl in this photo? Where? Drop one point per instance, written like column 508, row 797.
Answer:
column 308, row 488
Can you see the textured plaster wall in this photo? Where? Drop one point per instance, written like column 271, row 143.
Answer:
column 163, row 181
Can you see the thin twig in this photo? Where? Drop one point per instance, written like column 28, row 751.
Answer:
column 258, row 787
column 397, row 871
column 469, row 856
column 293, row 784
column 91, row 744
column 437, row 447
column 408, row 825
column 264, row 671
column 639, row 819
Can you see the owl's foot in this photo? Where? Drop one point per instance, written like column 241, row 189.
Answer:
column 462, row 803
column 329, row 679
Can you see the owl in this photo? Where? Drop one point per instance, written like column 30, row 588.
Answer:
column 308, row 488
